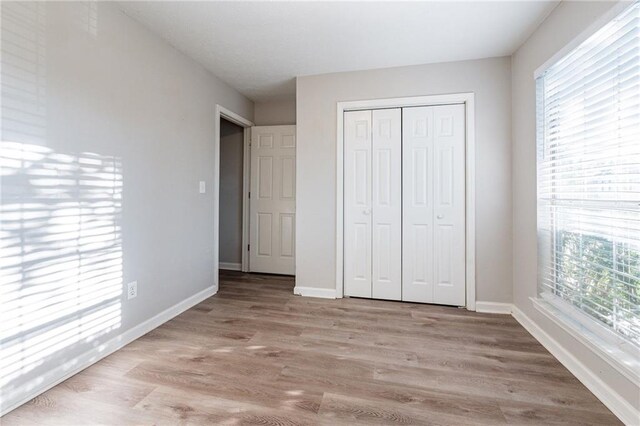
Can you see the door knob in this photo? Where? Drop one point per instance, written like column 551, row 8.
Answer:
column 440, row 216
column 366, row 212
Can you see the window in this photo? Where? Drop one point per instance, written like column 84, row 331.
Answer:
column 589, row 178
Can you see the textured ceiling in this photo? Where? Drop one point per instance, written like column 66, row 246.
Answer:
column 260, row 47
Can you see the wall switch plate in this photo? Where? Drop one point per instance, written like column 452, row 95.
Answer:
column 132, row 290
column 203, row 187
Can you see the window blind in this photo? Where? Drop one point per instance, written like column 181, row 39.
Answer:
column 588, row 132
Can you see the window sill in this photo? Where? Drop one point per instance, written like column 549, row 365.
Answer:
column 614, row 350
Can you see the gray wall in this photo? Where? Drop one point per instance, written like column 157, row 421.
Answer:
column 275, row 113
column 565, row 23
column 317, row 96
column 231, row 169
column 106, row 132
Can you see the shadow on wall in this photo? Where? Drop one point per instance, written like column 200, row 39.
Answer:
column 60, row 225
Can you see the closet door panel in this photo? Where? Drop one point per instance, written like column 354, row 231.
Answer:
column 358, row 186
column 417, row 214
column 449, row 204
column 387, row 204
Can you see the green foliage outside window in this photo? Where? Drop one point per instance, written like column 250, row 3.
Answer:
column 602, row 278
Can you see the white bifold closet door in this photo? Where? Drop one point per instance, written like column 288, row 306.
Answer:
column 404, row 212
column 373, row 204
column 433, row 240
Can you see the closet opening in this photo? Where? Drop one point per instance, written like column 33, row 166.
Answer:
column 405, row 199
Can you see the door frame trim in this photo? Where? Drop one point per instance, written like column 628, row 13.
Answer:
column 227, row 114
column 468, row 99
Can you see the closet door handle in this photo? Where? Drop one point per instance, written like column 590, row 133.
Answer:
column 440, row 216
column 366, row 212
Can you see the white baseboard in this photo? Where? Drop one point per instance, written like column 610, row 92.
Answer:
column 324, row 293
column 493, row 307
column 609, row 397
column 31, row 389
column 229, row 266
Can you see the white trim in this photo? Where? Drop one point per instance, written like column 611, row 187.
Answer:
column 494, row 307
column 609, row 397
column 619, row 353
column 230, row 266
column 583, row 36
column 43, row 383
column 446, row 99
column 222, row 112
column 340, row 202
column 324, row 293
column 246, row 187
column 233, row 117
column 470, row 203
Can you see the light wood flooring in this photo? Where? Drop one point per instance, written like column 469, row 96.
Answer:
column 256, row 354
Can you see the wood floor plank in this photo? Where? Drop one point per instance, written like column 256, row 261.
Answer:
column 346, row 350
column 226, row 385
column 484, row 408
column 62, row 407
column 347, row 409
column 256, row 354
column 106, row 389
column 179, row 407
column 558, row 394
column 534, row 414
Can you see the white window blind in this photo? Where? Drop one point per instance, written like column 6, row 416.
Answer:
column 589, row 177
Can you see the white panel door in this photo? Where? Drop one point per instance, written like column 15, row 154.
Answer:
column 449, row 205
column 417, row 200
column 433, row 205
column 387, row 204
column 272, row 200
column 357, row 203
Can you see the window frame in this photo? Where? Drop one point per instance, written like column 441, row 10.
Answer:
column 619, row 352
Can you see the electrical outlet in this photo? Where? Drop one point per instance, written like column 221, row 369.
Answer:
column 203, row 187
column 132, row 289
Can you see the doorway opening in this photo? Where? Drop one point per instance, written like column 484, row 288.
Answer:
column 231, row 228
column 231, row 129
column 254, row 199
